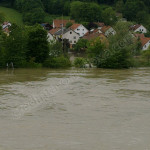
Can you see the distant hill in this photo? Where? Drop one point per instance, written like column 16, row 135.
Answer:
column 12, row 15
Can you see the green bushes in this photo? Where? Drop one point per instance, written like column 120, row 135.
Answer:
column 79, row 62
column 57, row 62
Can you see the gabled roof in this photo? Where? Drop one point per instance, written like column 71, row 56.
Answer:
column 105, row 28
column 92, row 31
column 53, row 31
column 100, row 24
column 134, row 27
column 63, row 31
column 58, row 23
column 93, row 35
column 75, row 26
column 144, row 40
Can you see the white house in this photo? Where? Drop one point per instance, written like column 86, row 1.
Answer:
column 145, row 43
column 138, row 28
column 68, row 34
column 108, row 30
column 50, row 37
column 80, row 29
column 6, row 25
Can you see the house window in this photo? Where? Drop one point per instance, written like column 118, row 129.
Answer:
column 70, row 41
column 74, row 37
column 78, row 29
column 74, row 41
column 83, row 29
column 70, row 32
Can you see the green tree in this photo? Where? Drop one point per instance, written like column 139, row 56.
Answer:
column 119, row 6
column 69, row 24
column 2, row 49
column 87, row 12
column 132, row 7
column 109, row 16
column 119, row 53
column 37, row 44
column 95, row 50
column 2, row 17
column 81, row 45
column 146, row 55
column 15, row 45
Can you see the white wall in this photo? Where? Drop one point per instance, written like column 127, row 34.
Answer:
column 50, row 37
column 146, row 46
column 110, row 31
column 81, row 30
column 141, row 29
column 71, row 36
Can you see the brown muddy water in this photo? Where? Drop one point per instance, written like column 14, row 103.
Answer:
column 93, row 109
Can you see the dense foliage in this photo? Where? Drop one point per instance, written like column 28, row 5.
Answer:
column 28, row 47
column 83, row 10
column 118, row 54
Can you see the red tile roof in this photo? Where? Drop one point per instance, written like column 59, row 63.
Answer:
column 75, row 26
column 53, row 31
column 105, row 28
column 100, row 24
column 92, row 36
column 94, row 31
column 58, row 23
column 144, row 40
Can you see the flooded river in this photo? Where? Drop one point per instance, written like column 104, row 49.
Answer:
column 93, row 109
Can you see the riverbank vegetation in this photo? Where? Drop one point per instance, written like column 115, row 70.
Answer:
column 27, row 45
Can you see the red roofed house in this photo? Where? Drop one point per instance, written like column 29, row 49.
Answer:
column 145, row 41
column 108, row 30
column 138, row 28
column 80, row 29
column 100, row 24
column 61, row 23
column 51, row 34
column 96, row 35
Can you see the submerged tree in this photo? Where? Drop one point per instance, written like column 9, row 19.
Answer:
column 37, row 44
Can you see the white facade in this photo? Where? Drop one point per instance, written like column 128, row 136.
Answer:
column 81, row 30
column 146, row 46
column 71, row 36
column 50, row 37
column 141, row 29
column 110, row 31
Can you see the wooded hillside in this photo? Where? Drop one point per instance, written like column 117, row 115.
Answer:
column 82, row 10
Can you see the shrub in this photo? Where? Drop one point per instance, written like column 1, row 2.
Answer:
column 79, row 62
column 57, row 62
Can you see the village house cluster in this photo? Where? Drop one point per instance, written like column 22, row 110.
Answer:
column 58, row 31
column 139, row 31
column 77, row 31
